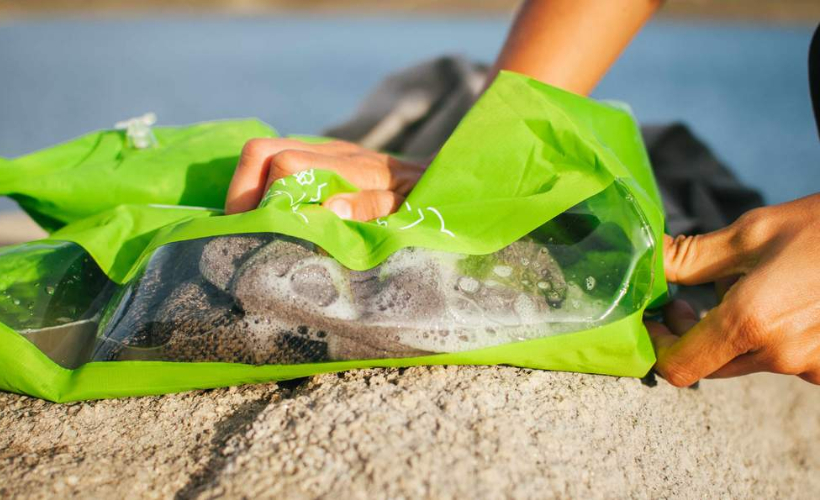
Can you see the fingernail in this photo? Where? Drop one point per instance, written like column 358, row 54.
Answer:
column 342, row 208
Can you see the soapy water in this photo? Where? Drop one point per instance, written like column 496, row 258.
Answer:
column 272, row 299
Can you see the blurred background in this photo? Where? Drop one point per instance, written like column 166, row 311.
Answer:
column 733, row 70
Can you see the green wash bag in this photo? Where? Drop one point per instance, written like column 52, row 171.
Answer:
column 531, row 241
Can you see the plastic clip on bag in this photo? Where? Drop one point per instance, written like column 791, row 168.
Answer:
column 530, row 241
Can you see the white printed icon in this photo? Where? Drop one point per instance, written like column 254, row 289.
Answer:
column 441, row 219
column 305, row 177
column 294, row 204
column 318, row 196
column 418, row 221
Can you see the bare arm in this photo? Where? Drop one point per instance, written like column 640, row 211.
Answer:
column 571, row 43
column 567, row 43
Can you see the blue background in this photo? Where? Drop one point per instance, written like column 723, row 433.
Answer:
column 742, row 88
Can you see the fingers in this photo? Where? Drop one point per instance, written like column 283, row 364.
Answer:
column 741, row 365
column 679, row 316
column 264, row 161
column 682, row 365
column 703, row 258
column 731, row 251
column 364, row 205
column 251, row 176
column 706, row 346
column 370, row 172
column 662, row 337
column 790, row 357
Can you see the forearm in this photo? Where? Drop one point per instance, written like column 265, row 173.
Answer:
column 571, row 43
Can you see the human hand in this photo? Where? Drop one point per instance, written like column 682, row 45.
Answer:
column 383, row 181
column 766, row 267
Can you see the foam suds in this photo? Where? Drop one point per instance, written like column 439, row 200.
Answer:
column 281, row 301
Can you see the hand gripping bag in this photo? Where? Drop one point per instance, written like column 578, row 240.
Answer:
column 532, row 240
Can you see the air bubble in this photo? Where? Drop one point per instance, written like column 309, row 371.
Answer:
column 503, row 271
column 50, row 290
column 544, row 285
column 16, row 302
column 590, row 282
column 469, row 285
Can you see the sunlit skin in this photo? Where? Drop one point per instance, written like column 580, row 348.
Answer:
column 765, row 266
column 567, row 43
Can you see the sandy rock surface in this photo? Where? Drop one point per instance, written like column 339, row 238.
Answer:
column 454, row 432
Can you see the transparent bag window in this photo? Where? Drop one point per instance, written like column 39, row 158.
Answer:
column 272, row 299
column 53, row 294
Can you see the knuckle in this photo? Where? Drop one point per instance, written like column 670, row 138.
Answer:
column 254, row 146
column 287, row 161
column 744, row 327
column 680, row 252
column 676, row 374
column 752, row 229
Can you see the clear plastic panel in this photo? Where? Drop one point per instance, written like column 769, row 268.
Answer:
column 53, row 294
column 273, row 299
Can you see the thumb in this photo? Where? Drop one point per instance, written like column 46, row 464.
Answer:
column 704, row 258
column 364, row 205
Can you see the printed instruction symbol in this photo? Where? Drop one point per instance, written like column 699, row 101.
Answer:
column 418, row 221
column 443, row 229
column 294, row 204
column 318, row 196
column 305, row 177
column 441, row 219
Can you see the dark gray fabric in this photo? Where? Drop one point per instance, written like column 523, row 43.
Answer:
column 442, row 89
column 700, row 194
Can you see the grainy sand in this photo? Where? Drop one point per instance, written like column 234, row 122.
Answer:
column 457, row 432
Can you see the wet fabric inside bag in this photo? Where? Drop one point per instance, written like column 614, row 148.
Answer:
column 547, row 262
column 273, row 299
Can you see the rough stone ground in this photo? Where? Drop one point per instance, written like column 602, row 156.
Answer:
column 454, row 432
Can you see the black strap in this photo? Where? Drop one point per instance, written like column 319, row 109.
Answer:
column 814, row 75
